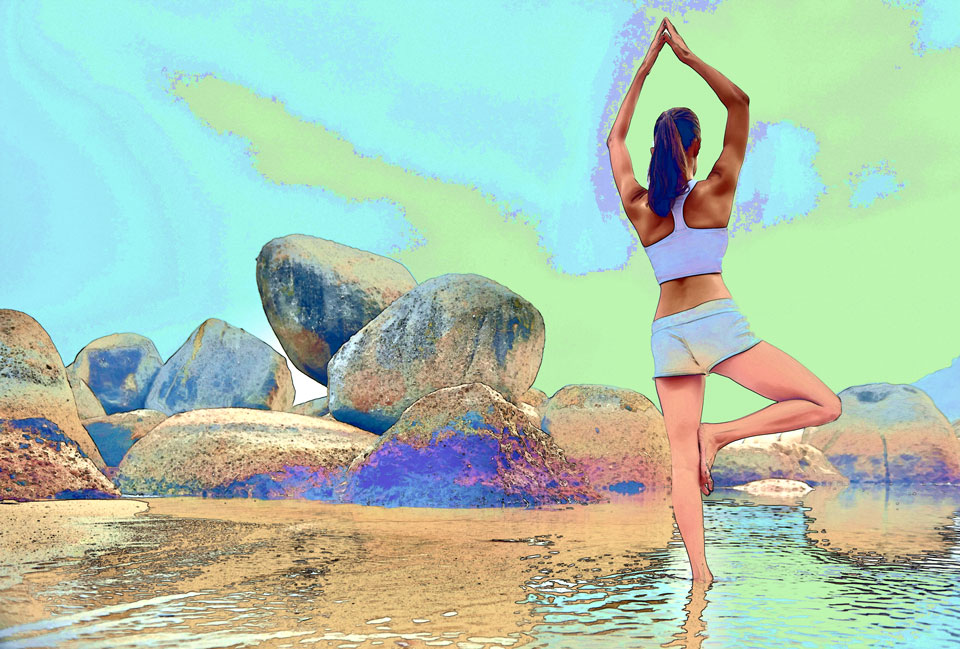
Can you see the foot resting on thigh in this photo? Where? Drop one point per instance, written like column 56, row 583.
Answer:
column 708, row 451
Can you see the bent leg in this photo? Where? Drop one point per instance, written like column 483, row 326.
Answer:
column 802, row 398
column 681, row 398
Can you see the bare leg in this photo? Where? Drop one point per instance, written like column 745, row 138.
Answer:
column 688, row 510
column 681, row 398
column 802, row 400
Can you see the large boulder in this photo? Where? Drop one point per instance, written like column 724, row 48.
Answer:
column 116, row 433
column 464, row 446
column 615, row 436
column 889, row 433
column 317, row 293
column 222, row 366
column 741, row 463
column 37, row 461
column 242, row 452
column 119, row 369
column 33, row 380
column 450, row 330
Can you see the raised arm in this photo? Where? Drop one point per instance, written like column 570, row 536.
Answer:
column 630, row 190
column 723, row 177
column 622, row 122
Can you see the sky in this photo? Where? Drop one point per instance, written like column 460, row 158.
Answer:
column 151, row 149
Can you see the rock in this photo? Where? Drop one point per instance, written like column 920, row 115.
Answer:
column 87, row 403
column 531, row 412
column 37, row 461
column 464, row 446
column 536, row 398
column 222, row 366
column 768, row 439
column 775, row 486
column 317, row 293
column 889, row 433
column 450, row 330
column 119, row 369
column 616, row 436
column 33, row 380
column 314, row 408
column 737, row 464
column 115, row 434
column 242, row 452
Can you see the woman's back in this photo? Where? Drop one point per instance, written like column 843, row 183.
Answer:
column 687, row 250
column 701, row 207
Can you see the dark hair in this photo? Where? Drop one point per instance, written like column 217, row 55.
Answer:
column 673, row 133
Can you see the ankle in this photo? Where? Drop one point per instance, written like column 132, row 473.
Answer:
column 717, row 435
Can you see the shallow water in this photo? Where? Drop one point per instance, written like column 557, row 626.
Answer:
column 852, row 567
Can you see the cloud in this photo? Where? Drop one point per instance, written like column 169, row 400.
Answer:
column 938, row 23
column 778, row 181
column 873, row 182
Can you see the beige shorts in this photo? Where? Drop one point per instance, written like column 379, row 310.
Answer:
column 694, row 340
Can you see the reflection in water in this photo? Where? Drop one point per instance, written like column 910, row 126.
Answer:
column 849, row 567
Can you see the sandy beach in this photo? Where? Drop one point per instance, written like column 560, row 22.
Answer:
column 405, row 571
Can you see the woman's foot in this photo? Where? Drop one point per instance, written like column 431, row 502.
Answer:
column 708, row 451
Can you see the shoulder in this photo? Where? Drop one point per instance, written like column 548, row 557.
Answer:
column 707, row 206
column 638, row 210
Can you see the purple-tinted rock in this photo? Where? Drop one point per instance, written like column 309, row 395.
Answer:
column 33, row 380
column 449, row 330
column 37, row 462
column 464, row 446
column 222, row 366
column 317, row 293
column 119, row 369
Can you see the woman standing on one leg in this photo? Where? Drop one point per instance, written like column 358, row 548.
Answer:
column 697, row 328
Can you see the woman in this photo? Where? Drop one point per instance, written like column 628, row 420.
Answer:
column 697, row 328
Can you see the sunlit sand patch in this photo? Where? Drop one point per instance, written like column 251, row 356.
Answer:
column 775, row 486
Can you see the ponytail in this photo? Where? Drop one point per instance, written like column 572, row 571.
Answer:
column 673, row 133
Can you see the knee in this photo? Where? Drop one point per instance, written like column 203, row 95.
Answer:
column 831, row 409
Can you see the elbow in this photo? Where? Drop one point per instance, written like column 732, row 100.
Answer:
column 736, row 98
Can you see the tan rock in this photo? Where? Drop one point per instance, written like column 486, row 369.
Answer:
column 889, row 433
column 785, row 460
column 616, row 436
column 242, row 452
column 33, row 380
column 87, row 403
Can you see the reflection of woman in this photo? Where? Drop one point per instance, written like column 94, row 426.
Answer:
column 697, row 328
